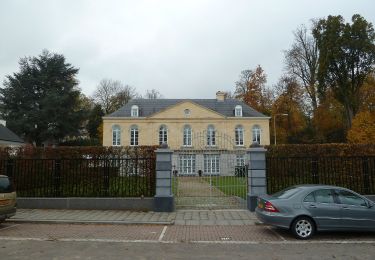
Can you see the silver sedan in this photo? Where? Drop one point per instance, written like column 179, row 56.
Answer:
column 305, row 209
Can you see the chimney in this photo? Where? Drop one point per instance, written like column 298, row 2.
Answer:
column 220, row 96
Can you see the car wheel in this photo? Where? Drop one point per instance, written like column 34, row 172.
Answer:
column 303, row 228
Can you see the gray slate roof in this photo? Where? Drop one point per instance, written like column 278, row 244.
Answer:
column 148, row 107
column 8, row 135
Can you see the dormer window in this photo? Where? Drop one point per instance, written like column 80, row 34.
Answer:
column 238, row 111
column 134, row 111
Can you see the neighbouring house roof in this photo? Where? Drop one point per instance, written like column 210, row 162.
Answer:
column 148, row 107
column 8, row 135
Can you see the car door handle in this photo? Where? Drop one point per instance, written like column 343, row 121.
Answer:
column 312, row 206
column 346, row 208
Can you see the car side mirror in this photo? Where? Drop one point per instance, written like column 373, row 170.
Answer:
column 370, row 204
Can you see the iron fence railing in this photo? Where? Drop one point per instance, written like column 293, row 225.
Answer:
column 356, row 172
column 130, row 177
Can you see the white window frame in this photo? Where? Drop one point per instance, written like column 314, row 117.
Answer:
column 238, row 111
column 257, row 134
column 239, row 135
column 211, row 164
column 211, row 136
column 187, row 164
column 240, row 160
column 134, row 135
column 134, row 111
column 187, row 136
column 116, row 135
column 163, row 135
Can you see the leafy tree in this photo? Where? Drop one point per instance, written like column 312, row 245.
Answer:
column 289, row 101
column 363, row 128
column 41, row 101
column 328, row 120
column 251, row 89
column 112, row 95
column 346, row 57
column 94, row 121
column 367, row 94
column 301, row 62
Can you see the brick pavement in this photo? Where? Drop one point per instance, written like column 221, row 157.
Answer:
column 168, row 233
column 180, row 217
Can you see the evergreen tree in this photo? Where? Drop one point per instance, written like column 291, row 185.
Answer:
column 41, row 101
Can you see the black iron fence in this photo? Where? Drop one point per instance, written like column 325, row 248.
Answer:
column 356, row 173
column 130, row 177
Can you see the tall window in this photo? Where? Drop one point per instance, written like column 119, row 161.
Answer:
column 238, row 111
column 116, row 135
column 134, row 135
column 240, row 160
column 187, row 164
column 211, row 140
column 134, row 111
column 256, row 134
column 187, row 135
column 163, row 135
column 238, row 132
column 212, row 163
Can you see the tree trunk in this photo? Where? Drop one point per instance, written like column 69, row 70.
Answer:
column 349, row 116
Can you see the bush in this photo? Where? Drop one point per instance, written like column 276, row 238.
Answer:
column 320, row 150
column 76, row 152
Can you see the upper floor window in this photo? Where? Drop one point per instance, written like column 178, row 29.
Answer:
column 238, row 132
column 257, row 134
column 211, row 139
column 238, row 111
column 134, row 135
column 116, row 135
column 187, row 136
column 135, row 111
column 163, row 135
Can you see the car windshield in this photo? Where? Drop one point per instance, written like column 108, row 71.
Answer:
column 5, row 185
column 287, row 193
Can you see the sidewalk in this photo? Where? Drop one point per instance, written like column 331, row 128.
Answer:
column 180, row 217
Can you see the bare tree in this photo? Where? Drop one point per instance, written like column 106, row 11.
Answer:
column 113, row 94
column 302, row 62
column 153, row 94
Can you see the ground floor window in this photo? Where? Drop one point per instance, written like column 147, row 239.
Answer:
column 240, row 160
column 187, row 164
column 212, row 163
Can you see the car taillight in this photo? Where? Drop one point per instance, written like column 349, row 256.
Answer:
column 269, row 207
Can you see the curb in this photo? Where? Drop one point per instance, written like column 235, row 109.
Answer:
column 107, row 222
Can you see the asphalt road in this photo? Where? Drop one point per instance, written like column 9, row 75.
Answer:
column 63, row 241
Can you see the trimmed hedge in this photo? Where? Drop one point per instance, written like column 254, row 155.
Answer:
column 320, row 150
column 76, row 152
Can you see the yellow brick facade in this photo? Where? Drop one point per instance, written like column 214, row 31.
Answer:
column 175, row 118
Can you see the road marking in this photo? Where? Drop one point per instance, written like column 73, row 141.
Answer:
column 277, row 234
column 163, row 233
column 9, row 226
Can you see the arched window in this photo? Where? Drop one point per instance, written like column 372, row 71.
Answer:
column 238, row 133
column 163, row 135
column 187, row 135
column 257, row 134
column 211, row 140
column 134, row 135
column 116, row 135
column 134, row 111
column 238, row 111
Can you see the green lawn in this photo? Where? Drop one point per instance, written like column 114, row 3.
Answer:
column 230, row 185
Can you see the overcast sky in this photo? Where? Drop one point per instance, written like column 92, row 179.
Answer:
column 184, row 49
